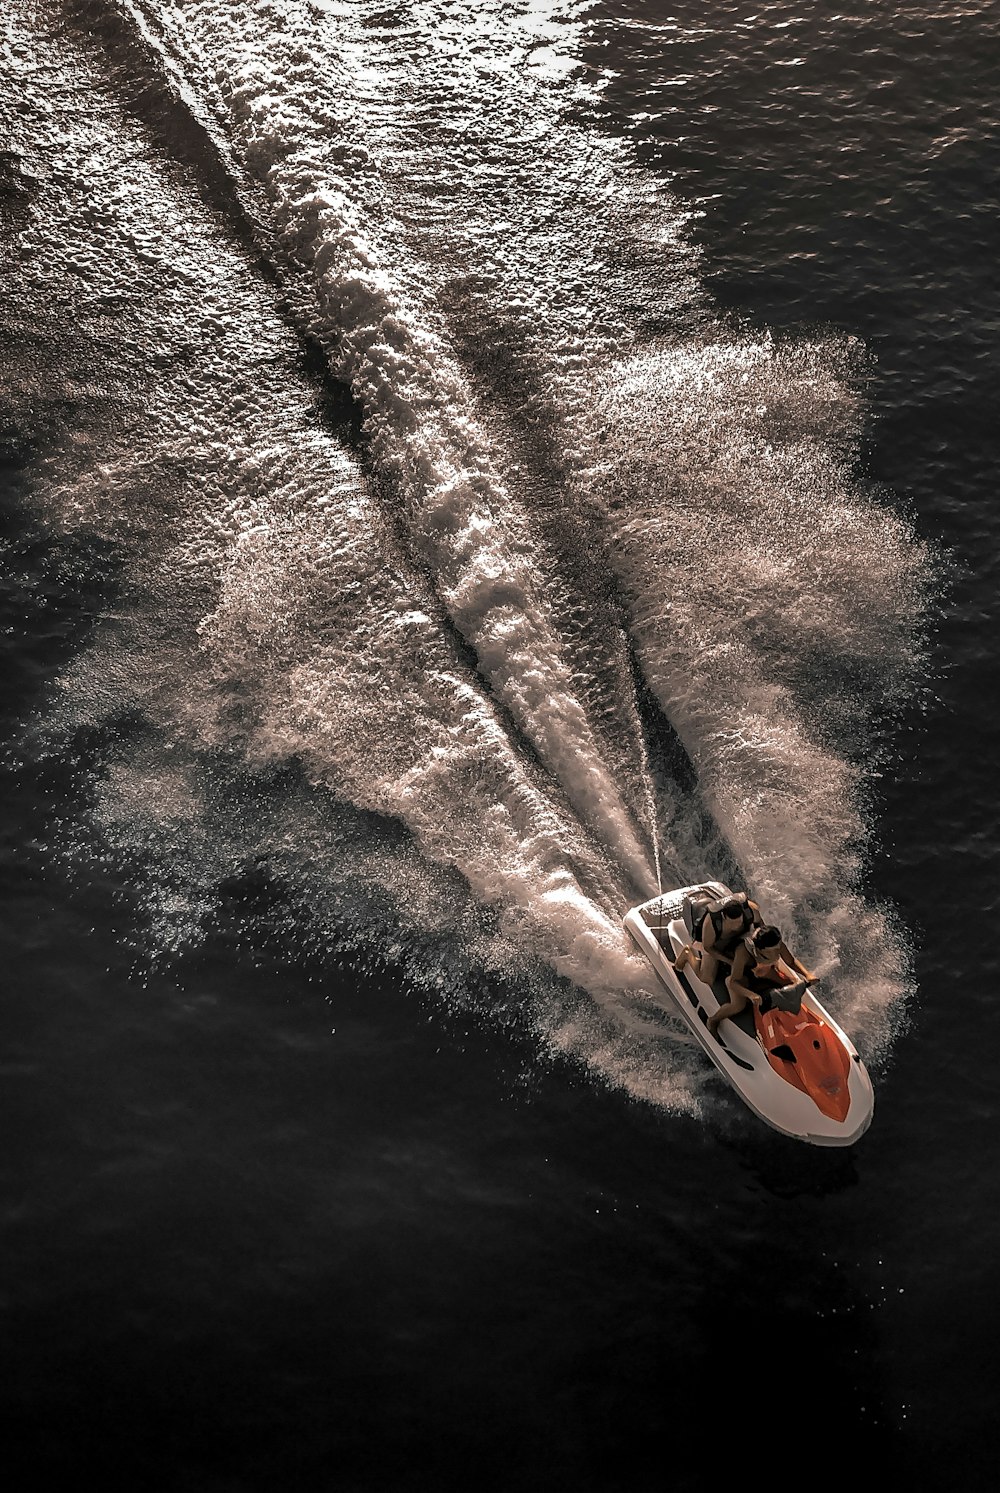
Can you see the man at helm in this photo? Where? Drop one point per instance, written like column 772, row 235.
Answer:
column 723, row 929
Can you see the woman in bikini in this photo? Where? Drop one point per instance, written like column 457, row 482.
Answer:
column 756, row 972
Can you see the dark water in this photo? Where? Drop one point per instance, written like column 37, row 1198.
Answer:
column 335, row 1155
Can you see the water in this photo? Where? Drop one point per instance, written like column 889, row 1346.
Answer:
column 469, row 466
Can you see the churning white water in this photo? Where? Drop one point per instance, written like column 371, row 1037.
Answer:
column 593, row 595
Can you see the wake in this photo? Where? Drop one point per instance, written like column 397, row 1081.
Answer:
column 491, row 619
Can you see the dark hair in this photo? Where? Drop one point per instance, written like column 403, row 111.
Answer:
column 733, row 909
column 765, row 938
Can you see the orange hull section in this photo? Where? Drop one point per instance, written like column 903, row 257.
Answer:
column 809, row 1056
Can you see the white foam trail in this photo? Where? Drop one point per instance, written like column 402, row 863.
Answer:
column 722, row 493
column 542, row 485
column 268, row 612
column 465, row 523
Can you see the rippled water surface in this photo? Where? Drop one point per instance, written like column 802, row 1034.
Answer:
column 469, row 465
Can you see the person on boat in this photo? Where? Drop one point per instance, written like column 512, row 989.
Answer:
column 721, row 935
column 756, row 972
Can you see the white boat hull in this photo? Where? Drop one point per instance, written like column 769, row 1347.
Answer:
column 659, row 930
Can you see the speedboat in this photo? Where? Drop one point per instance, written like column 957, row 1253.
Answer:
column 787, row 1059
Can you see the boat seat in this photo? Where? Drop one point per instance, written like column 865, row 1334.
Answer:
column 744, row 1020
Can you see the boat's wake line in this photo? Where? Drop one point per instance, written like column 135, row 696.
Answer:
column 310, row 651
